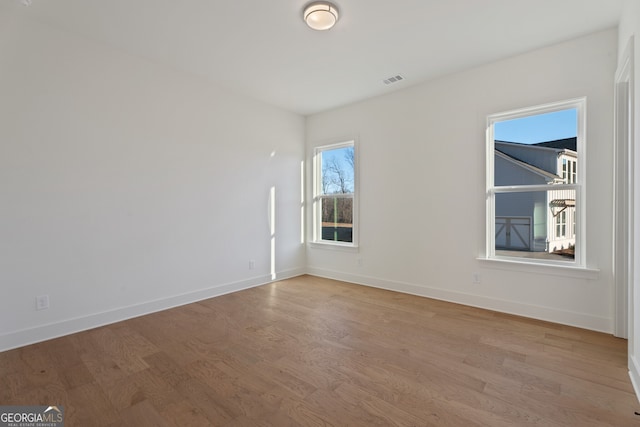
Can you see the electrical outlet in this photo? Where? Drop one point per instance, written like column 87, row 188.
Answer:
column 360, row 262
column 252, row 264
column 477, row 279
column 42, row 302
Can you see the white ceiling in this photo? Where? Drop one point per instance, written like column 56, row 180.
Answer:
column 263, row 49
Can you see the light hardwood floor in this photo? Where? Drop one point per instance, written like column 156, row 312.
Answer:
column 316, row 352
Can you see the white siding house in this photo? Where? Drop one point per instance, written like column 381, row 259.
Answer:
column 537, row 221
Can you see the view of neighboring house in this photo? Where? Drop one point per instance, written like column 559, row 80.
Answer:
column 536, row 221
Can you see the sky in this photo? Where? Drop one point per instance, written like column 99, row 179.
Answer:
column 538, row 128
column 339, row 155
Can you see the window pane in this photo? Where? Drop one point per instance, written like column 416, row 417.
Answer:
column 533, row 224
column 561, row 224
column 526, row 155
column 533, row 182
column 334, row 194
column 337, row 170
column 337, row 219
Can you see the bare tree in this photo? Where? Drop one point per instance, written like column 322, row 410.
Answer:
column 338, row 179
column 349, row 156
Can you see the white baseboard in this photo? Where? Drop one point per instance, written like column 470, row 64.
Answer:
column 580, row 320
column 634, row 374
column 49, row 331
column 54, row 330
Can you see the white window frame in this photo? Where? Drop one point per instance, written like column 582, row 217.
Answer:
column 561, row 224
column 318, row 196
column 580, row 104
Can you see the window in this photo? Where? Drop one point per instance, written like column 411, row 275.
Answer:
column 569, row 172
column 334, row 210
column 561, row 224
column 535, row 190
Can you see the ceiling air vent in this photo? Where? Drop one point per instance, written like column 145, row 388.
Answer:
column 393, row 79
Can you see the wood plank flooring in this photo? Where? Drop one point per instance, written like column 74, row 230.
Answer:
column 316, row 352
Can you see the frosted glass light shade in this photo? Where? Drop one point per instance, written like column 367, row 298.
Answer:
column 321, row 15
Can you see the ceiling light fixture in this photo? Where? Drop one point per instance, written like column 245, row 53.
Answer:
column 320, row 15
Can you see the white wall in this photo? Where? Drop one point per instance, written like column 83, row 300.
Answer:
column 127, row 187
column 630, row 27
column 422, row 183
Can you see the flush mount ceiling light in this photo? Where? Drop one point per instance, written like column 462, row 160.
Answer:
column 320, row 15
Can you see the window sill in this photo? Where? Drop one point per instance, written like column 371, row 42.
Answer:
column 511, row 264
column 334, row 246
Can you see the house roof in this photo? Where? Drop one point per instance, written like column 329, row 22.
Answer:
column 550, row 177
column 565, row 144
column 558, row 146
